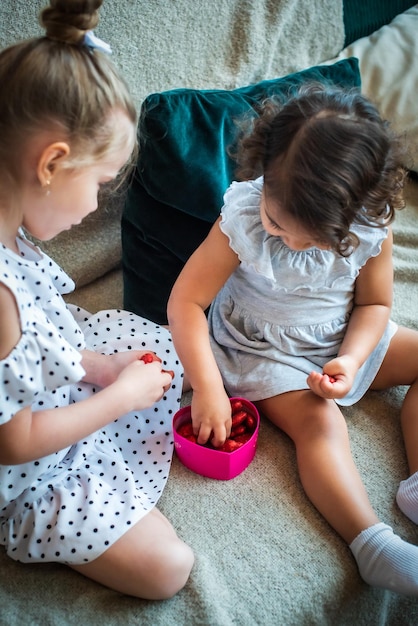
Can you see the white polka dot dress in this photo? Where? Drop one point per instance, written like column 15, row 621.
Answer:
column 71, row 506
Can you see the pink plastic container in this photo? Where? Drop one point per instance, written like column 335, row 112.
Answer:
column 209, row 461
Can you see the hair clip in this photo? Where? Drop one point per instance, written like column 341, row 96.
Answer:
column 94, row 43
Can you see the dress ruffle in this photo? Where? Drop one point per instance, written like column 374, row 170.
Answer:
column 26, row 373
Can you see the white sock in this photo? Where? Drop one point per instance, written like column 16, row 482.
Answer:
column 407, row 497
column 385, row 560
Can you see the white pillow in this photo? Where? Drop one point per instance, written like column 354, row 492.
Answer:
column 389, row 73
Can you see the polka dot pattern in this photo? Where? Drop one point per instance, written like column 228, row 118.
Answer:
column 71, row 506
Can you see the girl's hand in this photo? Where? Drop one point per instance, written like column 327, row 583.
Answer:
column 150, row 357
column 112, row 365
column 211, row 416
column 141, row 384
column 336, row 380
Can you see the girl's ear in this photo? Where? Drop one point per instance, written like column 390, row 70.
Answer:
column 52, row 156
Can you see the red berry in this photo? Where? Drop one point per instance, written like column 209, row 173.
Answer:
column 147, row 358
column 243, row 438
column 236, row 405
column 239, row 430
column 230, row 446
column 185, row 430
column 238, row 418
column 251, row 422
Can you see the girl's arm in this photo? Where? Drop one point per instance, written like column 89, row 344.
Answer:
column 32, row 435
column 130, row 385
column 10, row 331
column 368, row 320
column 372, row 305
column 199, row 282
column 103, row 369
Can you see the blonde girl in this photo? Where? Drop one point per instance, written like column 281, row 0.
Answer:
column 85, row 424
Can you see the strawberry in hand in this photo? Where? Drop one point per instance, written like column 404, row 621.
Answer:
column 150, row 357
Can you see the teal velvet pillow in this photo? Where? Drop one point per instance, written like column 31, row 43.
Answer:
column 184, row 135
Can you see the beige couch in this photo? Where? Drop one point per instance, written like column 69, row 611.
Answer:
column 264, row 556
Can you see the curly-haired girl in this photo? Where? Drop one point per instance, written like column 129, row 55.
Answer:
column 298, row 273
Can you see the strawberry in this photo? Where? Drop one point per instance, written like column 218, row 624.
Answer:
column 230, row 446
column 238, row 418
column 251, row 422
column 185, row 430
column 150, row 358
column 147, row 357
column 236, row 405
column 243, row 438
column 239, row 430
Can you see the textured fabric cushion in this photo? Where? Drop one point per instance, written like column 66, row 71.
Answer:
column 388, row 61
column 182, row 173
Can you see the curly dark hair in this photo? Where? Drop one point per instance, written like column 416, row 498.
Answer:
column 329, row 159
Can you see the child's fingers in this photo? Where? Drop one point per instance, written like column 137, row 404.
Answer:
column 151, row 357
column 203, row 434
column 219, row 436
column 167, row 375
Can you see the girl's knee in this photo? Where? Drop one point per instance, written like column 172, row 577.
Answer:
column 150, row 566
column 329, row 423
column 173, row 570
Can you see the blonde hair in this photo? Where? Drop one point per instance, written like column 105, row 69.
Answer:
column 58, row 82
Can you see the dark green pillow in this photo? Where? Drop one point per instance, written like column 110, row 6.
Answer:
column 184, row 135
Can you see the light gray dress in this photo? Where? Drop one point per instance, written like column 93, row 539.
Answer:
column 72, row 505
column 284, row 313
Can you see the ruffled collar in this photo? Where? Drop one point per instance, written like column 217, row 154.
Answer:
column 258, row 248
column 35, row 261
column 269, row 256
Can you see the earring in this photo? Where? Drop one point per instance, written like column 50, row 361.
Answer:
column 48, row 188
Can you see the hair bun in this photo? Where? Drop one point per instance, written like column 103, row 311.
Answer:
column 68, row 20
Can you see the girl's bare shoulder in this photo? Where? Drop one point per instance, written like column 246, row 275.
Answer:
column 10, row 331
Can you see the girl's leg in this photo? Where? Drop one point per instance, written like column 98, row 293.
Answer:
column 327, row 470
column 400, row 367
column 149, row 561
column 333, row 484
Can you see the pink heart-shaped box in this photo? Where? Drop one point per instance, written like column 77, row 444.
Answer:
column 208, row 461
